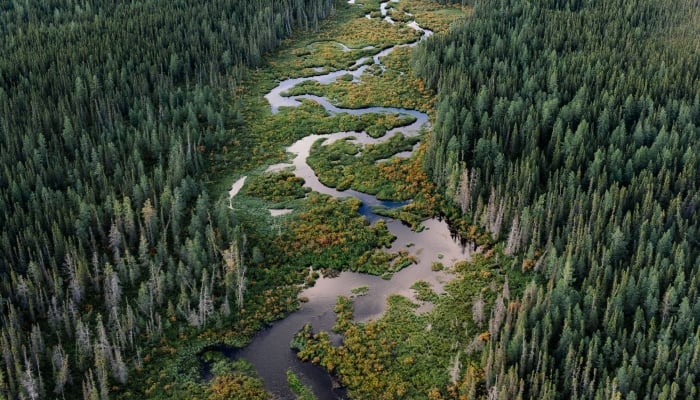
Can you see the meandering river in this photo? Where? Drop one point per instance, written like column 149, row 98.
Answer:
column 269, row 351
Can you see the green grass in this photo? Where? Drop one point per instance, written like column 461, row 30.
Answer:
column 301, row 391
column 360, row 291
column 393, row 87
column 276, row 187
column 346, row 165
column 424, row 292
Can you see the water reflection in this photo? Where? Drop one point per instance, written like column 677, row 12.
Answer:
column 269, row 350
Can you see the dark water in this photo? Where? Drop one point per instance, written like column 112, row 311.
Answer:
column 367, row 207
column 269, row 350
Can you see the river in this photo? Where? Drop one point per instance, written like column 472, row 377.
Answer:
column 269, row 350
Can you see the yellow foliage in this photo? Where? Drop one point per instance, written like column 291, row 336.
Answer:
column 434, row 394
column 236, row 387
column 527, row 265
column 513, row 306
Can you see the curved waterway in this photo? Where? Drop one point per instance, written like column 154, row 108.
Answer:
column 269, row 350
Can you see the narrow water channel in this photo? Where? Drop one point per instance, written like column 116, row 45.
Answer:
column 269, row 351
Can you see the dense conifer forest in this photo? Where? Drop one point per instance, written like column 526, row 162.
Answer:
column 565, row 143
column 108, row 110
column 570, row 130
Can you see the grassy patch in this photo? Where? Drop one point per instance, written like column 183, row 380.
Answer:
column 344, row 165
column 383, row 263
column 301, row 391
column 431, row 15
column 329, row 233
column 408, row 355
column 276, row 187
column 360, row 291
column 360, row 32
column 393, row 86
column 409, row 218
column 424, row 292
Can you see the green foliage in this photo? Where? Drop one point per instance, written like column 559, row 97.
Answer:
column 236, row 386
column 379, row 262
column 393, row 86
column 424, row 292
column 116, row 136
column 266, row 134
column 110, row 114
column 276, row 187
column 569, row 130
column 344, row 165
column 300, row 390
column 329, row 233
column 360, row 291
column 409, row 218
column 221, row 365
column 405, row 355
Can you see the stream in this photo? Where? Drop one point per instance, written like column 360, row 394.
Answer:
column 269, row 350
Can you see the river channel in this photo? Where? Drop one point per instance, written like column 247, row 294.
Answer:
column 269, row 350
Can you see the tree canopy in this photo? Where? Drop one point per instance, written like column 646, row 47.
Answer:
column 107, row 111
column 571, row 131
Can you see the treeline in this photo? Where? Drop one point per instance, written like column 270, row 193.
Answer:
column 571, row 131
column 107, row 110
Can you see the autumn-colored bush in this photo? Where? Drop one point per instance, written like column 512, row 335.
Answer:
column 236, row 386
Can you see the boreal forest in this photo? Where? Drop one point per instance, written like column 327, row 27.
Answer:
column 108, row 112
column 571, row 130
column 157, row 228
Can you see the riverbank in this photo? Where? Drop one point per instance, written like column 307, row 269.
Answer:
column 314, row 230
column 331, row 163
